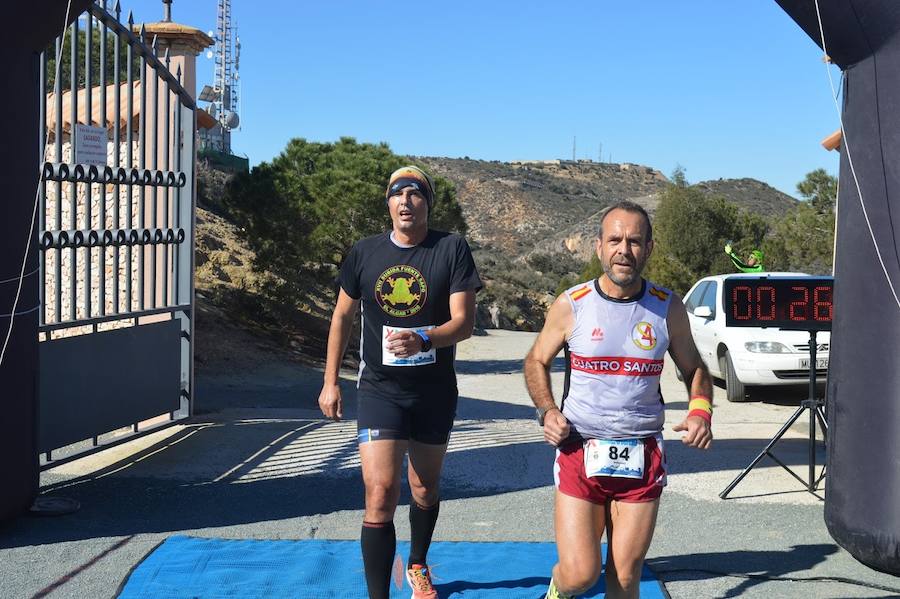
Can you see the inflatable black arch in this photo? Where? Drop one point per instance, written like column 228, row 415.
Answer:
column 37, row 23
column 862, row 489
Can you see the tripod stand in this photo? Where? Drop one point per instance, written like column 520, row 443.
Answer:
column 816, row 412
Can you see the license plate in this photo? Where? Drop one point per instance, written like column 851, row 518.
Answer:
column 821, row 363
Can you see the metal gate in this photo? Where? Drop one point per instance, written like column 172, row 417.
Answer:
column 116, row 238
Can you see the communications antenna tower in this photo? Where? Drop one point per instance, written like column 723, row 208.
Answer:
column 224, row 95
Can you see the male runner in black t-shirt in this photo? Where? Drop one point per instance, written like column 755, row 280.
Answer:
column 417, row 289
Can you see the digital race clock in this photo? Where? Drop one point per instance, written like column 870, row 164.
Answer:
column 794, row 303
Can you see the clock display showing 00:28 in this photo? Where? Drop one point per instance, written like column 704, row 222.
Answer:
column 798, row 303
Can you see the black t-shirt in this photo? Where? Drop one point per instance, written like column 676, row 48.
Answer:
column 406, row 288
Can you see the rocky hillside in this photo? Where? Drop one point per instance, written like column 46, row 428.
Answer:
column 751, row 195
column 531, row 223
column 240, row 324
column 552, row 206
column 513, row 206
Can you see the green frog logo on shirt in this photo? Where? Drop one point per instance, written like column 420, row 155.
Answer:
column 401, row 290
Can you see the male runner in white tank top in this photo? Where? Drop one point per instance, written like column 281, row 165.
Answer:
column 610, row 466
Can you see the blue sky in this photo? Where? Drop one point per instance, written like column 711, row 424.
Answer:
column 725, row 89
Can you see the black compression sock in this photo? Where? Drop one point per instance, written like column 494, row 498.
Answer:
column 379, row 544
column 421, row 527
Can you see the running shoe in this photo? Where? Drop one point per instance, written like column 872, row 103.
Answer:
column 419, row 579
column 553, row 592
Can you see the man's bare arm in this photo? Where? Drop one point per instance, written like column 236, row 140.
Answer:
column 696, row 375
column 557, row 327
column 338, row 337
column 684, row 351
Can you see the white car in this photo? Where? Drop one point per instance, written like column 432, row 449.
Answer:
column 746, row 356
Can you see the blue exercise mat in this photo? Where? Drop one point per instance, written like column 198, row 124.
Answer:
column 191, row 567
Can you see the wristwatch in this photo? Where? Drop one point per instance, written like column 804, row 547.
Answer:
column 426, row 342
column 541, row 412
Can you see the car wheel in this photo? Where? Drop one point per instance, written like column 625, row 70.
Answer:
column 734, row 388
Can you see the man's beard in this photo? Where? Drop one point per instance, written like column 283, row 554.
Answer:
column 623, row 281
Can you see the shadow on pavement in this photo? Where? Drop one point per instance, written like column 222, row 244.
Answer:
column 494, row 410
column 219, row 473
column 754, row 567
column 501, row 366
column 736, row 454
column 281, row 475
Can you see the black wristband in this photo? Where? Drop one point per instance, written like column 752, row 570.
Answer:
column 541, row 412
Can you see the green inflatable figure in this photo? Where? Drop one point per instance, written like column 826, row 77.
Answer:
column 753, row 264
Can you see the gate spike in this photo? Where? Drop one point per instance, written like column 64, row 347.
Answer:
column 131, row 21
column 118, row 9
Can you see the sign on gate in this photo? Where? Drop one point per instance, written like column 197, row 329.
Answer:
column 90, row 145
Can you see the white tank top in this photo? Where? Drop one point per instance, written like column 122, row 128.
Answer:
column 614, row 358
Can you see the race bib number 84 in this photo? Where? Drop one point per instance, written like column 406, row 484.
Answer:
column 621, row 458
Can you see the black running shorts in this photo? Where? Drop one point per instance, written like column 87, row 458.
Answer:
column 427, row 418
